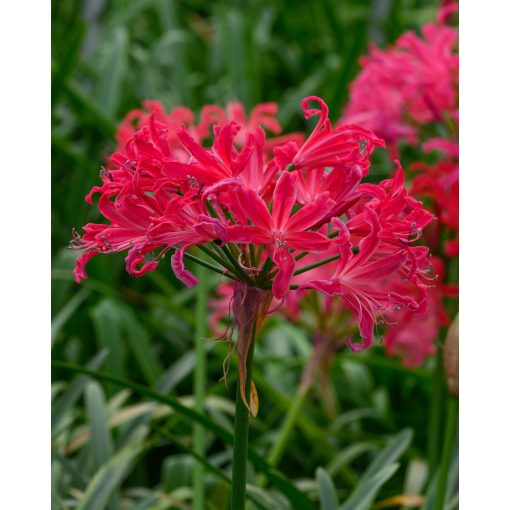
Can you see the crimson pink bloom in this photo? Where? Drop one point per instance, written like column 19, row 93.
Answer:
column 413, row 83
column 439, row 183
column 342, row 147
column 412, row 336
column 263, row 115
column 262, row 212
column 281, row 230
column 363, row 278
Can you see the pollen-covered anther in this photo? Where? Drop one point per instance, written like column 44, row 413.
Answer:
column 107, row 243
column 130, row 164
column 192, row 181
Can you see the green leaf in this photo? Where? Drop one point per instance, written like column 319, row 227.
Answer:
column 177, row 472
column 381, row 469
column 178, row 371
column 107, row 323
column 97, row 417
column 393, row 450
column 294, row 495
column 111, row 475
column 140, row 345
column 453, row 478
column 60, row 319
column 365, row 493
column 113, row 71
column 72, row 394
column 327, row 493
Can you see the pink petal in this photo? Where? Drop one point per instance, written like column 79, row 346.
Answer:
column 255, row 208
column 248, row 234
column 308, row 241
column 79, row 272
column 285, row 263
column 284, row 197
column 310, row 214
column 186, row 277
column 379, row 268
column 134, row 258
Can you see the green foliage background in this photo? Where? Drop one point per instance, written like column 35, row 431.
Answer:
column 114, row 447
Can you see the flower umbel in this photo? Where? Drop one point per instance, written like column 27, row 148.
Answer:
column 263, row 213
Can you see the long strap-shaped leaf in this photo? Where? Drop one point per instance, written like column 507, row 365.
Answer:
column 294, row 495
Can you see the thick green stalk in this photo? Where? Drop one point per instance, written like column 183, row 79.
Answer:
column 241, row 426
column 199, row 386
column 448, row 445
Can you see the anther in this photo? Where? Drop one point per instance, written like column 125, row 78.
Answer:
column 106, row 242
column 355, row 249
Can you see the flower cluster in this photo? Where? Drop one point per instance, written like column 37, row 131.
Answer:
column 409, row 85
column 408, row 94
column 260, row 212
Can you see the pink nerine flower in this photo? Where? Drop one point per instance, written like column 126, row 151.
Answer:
column 263, row 115
column 413, row 83
column 264, row 214
column 439, row 184
column 412, row 336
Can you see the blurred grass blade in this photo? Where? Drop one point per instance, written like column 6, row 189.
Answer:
column 97, row 418
column 453, row 480
column 294, row 495
column 393, row 450
column 199, row 386
column 88, row 107
column 69, row 398
column 112, row 74
column 253, row 495
column 110, row 476
column 365, row 493
column 327, row 493
column 178, row 371
column 139, row 342
column 380, row 470
column 66, row 313
column 347, row 455
column 106, row 319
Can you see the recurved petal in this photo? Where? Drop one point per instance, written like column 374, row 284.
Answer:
column 79, row 272
column 186, row 277
column 135, row 258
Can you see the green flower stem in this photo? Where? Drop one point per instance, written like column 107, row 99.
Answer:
column 209, row 266
column 289, row 423
column 268, row 264
column 241, row 425
column 199, row 386
column 308, row 268
column 235, row 264
column 317, row 264
column 215, row 256
column 448, row 445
